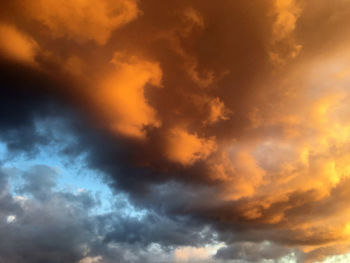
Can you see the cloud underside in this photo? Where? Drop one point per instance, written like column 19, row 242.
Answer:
column 228, row 122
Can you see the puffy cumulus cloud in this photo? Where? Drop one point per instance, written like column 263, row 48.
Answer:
column 81, row 20
column 59, row 221
column 252, row 150
column 121, row 97
column 186, row 148
column 52, row 224
column 16, row 45
column 193, row 254
column 257, row 252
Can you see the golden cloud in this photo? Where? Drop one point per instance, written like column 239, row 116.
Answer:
column 120, row 97
column 249, row 99
column 16, row 45
column 81, row 20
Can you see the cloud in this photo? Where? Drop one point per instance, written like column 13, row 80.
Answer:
column 186, row 148
column 91, row 259
column 284, row 44
column 287, row 13
column 192, row 254
column 255, row 252
column 121, row 95
column 81, row 20
column 53, row 224
column 17, row 46
column 45, row 175
column 230, row 117
column 59, row 221
column 218, row 111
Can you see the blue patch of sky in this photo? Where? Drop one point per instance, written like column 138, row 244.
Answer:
column 73, row 173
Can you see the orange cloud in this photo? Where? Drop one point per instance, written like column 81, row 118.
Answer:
column 287, row 12
column 240, row 173
column 194, row 254
column 17, row 45
column 82, row 20
column 186, row 148
column 192, row 21
column 218, row 111
column 121, row 97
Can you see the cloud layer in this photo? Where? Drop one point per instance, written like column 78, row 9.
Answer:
column 226, row 121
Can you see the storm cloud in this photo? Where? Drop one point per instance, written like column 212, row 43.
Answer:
column 225, row 123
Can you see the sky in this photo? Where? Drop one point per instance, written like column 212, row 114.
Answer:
column 198, row 131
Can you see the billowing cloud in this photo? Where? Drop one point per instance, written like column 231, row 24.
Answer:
column 252, row 252
column 81, row 20
column 121, row 97
column 218, row 111
column 284, row 45
column 186, row 148
column 228, row 122
column 16, row 45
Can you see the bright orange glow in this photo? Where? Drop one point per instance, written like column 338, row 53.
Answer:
column 186, row 148
column 121, row 96
column 82, row 19
column 17, row 46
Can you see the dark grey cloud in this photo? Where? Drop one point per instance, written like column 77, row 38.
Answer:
column 7, row 204
column 26, row 95
column 152, row 228
column 39, row 181
column 46, row 225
